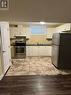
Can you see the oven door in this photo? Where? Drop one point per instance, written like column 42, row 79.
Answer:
column 20, row 51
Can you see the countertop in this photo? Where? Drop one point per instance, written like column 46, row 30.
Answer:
column 31, row 44
column 14, row 38
column 38, row 44
column 13, row 44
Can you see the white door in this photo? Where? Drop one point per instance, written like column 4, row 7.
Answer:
column 5, row 45
column 0, row 55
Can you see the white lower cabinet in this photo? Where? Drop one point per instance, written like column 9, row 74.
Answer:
column 27, row 50
column 41, row 50
column 45, row 50
column 48, row 50
column 35, row 51
column 31, row 50
column 38, row 50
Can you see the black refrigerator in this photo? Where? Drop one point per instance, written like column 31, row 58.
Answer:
column 61, row 50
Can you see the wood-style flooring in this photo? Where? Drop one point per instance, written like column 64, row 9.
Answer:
column 36, row 85
column 34, row 66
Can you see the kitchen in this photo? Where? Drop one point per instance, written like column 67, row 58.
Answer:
column 42, row 38
column 33, row 38
column 32, row 67
column 34, row 73
column 34, row 56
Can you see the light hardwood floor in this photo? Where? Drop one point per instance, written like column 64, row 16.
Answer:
column 34, row 66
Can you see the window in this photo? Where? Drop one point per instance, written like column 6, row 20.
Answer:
column 38, row 29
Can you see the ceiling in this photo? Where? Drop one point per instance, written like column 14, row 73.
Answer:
column 37, row 10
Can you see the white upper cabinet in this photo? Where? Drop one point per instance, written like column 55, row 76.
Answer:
column 50, row 32
column 63, row 27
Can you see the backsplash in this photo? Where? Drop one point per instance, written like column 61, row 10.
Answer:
column 33, row 39
column 40, row 39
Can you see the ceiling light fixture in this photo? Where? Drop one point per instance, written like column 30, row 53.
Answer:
column 42, row 22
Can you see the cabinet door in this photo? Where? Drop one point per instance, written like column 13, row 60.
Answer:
column 48, row 51
column 32, row 51
column 45, row 50
column 64, row 27
column 41, row 50
column 68, row 26
column 29, row 51
column 35, row 51
column 38, row 51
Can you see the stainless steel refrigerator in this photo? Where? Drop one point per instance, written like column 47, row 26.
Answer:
column 61, row 50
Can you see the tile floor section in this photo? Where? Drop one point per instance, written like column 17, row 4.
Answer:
column 34, row 66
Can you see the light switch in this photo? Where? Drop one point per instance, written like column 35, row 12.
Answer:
column 4, row 4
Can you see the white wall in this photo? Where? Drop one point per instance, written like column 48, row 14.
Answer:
column 50, row 32
column 37, row 10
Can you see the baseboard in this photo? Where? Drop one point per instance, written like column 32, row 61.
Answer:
column 1, row 76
